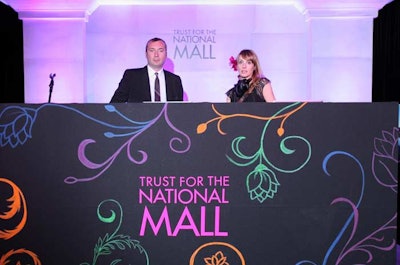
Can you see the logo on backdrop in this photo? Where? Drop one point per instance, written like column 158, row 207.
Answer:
column 209, row 193
column 194, row 43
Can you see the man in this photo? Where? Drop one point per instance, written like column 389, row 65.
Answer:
column 142, row 84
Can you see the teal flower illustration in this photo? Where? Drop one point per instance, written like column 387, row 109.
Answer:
column 106, row 245
column 262, row 183
column 16, row 125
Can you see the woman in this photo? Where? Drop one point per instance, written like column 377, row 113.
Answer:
column 252, row 85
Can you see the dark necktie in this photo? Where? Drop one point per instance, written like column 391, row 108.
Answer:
column 157, row 88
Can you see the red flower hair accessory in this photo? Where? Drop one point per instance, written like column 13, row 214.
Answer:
column 233, row 63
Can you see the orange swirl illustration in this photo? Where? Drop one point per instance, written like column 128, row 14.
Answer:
column 192, row 258
column 16, row 203
column 21, row 251
column 201, row 128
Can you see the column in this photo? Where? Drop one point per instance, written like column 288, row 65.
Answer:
column 54, row 43
column 341, row 41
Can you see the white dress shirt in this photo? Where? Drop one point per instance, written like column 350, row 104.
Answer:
column 152, row 78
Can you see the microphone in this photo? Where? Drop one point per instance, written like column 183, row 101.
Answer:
column 51, row 85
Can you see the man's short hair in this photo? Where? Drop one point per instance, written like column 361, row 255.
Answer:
column 154, row 40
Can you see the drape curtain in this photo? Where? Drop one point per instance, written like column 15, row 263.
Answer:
column 386, row 54
column 11, row 56
column 386, row 62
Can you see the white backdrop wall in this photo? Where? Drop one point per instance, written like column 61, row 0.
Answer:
column 200, row 41
column 342, row 60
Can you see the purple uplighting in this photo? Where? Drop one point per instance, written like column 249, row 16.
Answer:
column 311, row 51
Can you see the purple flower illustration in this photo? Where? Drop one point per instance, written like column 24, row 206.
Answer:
column 384, row 158
column 16, row 125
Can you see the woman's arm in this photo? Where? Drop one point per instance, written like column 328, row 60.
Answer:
column 268, row 93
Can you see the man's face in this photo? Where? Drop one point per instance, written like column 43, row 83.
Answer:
column 156, row 53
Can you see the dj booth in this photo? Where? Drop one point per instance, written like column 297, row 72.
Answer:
column 198, row 183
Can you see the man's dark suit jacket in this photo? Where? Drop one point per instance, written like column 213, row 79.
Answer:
column 135, row 86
